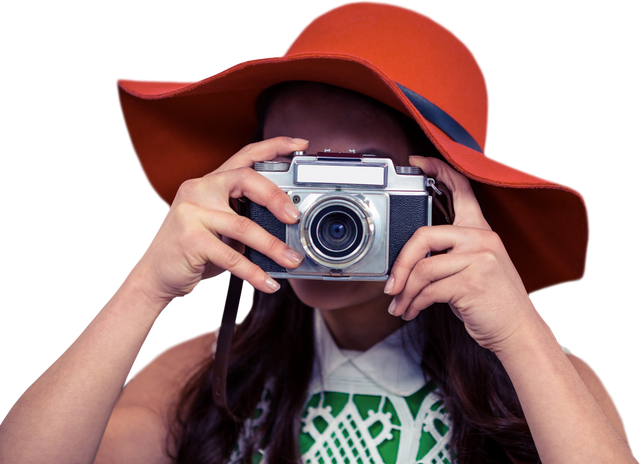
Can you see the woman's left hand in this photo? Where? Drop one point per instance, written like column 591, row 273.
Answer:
column 475, row 276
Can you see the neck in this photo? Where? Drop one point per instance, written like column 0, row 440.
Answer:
column 361, row 326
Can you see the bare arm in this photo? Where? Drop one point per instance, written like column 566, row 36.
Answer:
column 570, row 421
column 599, row 393
column 570, row 414
column 139, row 426
column 62, row 416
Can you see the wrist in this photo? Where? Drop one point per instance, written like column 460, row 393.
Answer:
column 532, row 338
column 139, row 283
column 138, row 292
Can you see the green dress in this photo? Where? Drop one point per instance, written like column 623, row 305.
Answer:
column 372, row 407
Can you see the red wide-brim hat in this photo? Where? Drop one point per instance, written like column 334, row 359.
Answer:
column 400, row 58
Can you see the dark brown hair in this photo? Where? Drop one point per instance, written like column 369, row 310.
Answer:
column 275, row 344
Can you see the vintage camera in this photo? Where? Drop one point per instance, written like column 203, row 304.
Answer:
column 358, row 211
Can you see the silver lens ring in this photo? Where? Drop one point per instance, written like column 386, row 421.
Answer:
column 337, row 231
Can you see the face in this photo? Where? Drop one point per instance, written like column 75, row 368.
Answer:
column 338, row 122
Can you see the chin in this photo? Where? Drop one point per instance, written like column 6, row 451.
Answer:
column 328, row 295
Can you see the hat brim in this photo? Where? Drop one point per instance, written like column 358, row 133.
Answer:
column 182, row 131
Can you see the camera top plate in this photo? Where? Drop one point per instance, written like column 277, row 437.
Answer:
column 343, row 171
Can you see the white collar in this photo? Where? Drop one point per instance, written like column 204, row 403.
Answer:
column 391, row 364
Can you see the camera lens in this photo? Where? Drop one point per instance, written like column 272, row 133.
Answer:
column 337, row 231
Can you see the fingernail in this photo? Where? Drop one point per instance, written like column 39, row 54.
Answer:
column 299, row 141
column 392, row 307
column 272, row 284
column 293, row 255
column 389, row 285
column 292, row 211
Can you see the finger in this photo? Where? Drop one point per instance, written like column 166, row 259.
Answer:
column 213, row 192
column 263, row 151
column 245, row 182
column 440, row 291
column 235, row 263
column 202, row 244
column 424, row 275
column 213, row 270
column 465, row 204
column 225, row 257
column 246, row 231
column 427, row 239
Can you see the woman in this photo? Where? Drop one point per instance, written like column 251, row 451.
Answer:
column 476, row 278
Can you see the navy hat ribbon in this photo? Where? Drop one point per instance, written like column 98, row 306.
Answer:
column 441, row 119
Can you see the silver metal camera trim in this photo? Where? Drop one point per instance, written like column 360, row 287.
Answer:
column 286, row 178
column 374, row 260
column 359, row 204
column 397, row 182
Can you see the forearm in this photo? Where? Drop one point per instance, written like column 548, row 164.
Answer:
column 566, row 422
column 62, row 416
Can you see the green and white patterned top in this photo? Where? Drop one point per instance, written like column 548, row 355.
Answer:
column 371, row 407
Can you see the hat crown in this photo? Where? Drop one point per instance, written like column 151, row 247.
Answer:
column 412, row 49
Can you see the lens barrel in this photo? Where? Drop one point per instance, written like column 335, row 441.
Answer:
column 337, row 230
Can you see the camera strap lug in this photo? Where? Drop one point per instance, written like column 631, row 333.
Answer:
column 441, row 190
column 431, row 183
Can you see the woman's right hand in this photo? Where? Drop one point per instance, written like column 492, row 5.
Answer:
column 203, row 236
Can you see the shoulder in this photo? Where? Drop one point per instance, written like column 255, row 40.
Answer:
column 139, row 424
column 597, row 389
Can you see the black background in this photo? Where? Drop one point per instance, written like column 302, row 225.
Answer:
column 77, row 213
